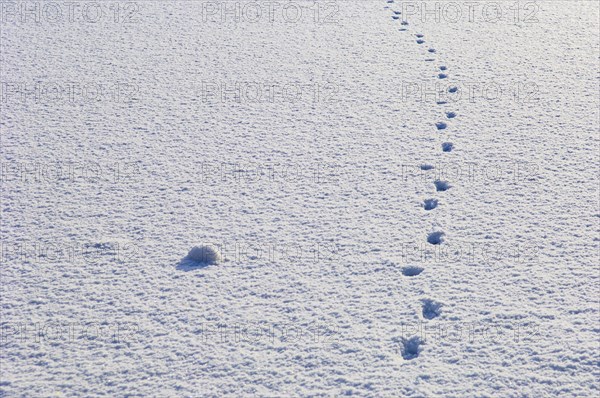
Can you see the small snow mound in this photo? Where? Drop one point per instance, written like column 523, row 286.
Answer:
column 203, row 255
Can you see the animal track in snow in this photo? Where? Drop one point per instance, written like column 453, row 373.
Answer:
column 443, row 67
column 420, row 41
column 441, row 125
column 395, row 17
column 429, row 60
column 411, row 271
column 430, row 204
column 426, row 166
column 402, row 29
column 420, row 35
column 442, row 75
column 411, row 348
column 431, row 309
column 441, row 186
column 397, row 12
column 431, row 50
column 453, row 89
column 435, row 238
column 404, row 23
column 447, row 146
column 441, row 102
column 450, row 115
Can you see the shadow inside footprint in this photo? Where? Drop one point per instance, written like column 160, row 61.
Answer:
column 443, row 67
column 420, row 41
column 435, row 238
column 431, row 309
column 441, row 125
column 450, row 115
column 447, row 146
column 441, row 186
column 431, row 50
column 430, row 204
column 442, row 76
column 426, row 166
column 411, row 271
column 411, row 348
column 419, row 35
column 453, row 89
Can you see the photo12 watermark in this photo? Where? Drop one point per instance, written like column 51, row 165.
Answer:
column 54, row 332
column 456, row 92
column 268, row 92
column 470, row 173
column 253, row 332
column 437, row 251
column 259, row 11
column 471, row 332
column 48, row 253
column 453, row 12
column 250, row 173
column 233, row 253
column 69, row 12
column 415, row 335
column 15, row 92
column 70, row 172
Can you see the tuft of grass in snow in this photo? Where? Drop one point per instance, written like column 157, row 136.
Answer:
column 202, row 256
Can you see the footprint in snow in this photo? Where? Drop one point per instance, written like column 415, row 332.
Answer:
column 431, row 309
column 442, row 76
column 431, row 50
column 441, row 125
column 430, row 204
column 450, row 115
column 447, row 146
column 441, row 186
column 436, row 238
column 420, row 41
column 411, row 348
column 411, row 271
column 453, row 89
column 443, row 67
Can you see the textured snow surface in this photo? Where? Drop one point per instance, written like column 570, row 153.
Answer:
column 374, row 243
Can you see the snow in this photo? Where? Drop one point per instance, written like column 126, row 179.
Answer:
column 320, row 194
column 202, row 256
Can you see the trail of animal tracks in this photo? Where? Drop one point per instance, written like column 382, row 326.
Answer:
column 322, row 199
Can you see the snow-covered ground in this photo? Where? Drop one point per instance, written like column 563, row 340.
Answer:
column 401, row 207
